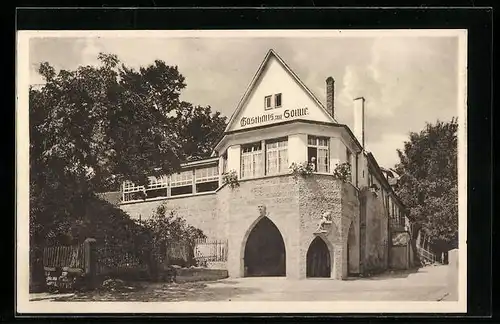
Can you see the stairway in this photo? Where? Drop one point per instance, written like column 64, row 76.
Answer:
column 426, row 256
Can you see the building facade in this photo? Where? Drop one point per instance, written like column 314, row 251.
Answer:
column 311, row 222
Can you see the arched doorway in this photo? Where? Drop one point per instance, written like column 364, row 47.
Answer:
column 265, row 253
column 318, row 259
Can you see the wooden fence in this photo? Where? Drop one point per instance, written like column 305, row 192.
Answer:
column 211, row 250
column 113, row 260
column 64, row 256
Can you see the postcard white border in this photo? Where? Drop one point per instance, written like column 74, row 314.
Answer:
column 22, row 188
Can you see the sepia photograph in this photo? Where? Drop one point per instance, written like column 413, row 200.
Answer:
column 241, row 171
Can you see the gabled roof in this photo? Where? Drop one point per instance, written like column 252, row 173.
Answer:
column 272, row 53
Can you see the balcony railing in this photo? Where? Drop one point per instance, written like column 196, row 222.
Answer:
column 190, row 181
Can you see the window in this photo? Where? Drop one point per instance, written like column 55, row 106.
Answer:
column 277, row 156
column 317, row 149
column 268, row 102
column 277, row 100
column 157, row 183
column 182, row 183
column 157, row 187
column 251, row 160
column 131, row 191
column 206, row 179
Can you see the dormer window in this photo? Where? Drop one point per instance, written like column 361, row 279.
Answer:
column 277, row 100
column 268, row 103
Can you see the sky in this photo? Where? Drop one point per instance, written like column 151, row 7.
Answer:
column 406, row 81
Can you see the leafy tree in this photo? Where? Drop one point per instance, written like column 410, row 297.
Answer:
column 429, row 182
column 199, row 130
column 93, row 127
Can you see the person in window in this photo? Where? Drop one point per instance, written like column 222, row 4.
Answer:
column 312, row 164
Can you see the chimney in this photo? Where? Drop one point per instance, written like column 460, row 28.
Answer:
column 330, row 92
column 359, row 120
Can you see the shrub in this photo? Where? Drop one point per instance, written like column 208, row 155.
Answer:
column 342, row 171
column 303, row 169
column 231, row 178
column 171, row 238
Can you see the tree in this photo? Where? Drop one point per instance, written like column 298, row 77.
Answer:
column 199, row 130
column 429, row 182
column 96, row 126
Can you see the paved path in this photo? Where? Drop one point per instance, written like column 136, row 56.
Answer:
column 426, row 284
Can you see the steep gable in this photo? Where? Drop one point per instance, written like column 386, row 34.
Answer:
column 274, row 77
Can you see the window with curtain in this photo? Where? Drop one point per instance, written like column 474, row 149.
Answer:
column 207, row 179
column 277, row 156
column 157, row 187
column 318, row 147
column 252, row 160
column 181, row 183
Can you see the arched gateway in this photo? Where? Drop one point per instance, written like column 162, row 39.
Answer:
column 318, row 259
column 265, row 253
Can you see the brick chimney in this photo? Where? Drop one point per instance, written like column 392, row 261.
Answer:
column 330, row 95
column 359, row 120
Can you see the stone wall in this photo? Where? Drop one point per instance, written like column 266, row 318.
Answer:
column 295, row 206
column 320, row 194
column 279, row 195
column 317, row 195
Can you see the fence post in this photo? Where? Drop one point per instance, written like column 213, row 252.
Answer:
column 89, row 250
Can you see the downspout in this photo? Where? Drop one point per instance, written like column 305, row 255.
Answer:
column 389, row 232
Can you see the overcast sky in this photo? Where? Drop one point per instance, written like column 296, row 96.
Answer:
column 406, row 81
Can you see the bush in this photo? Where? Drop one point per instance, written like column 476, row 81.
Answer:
column 171, row 240
column 303, row 169
column 342, row 171
column 231, row 178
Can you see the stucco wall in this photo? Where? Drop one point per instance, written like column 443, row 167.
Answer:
column 350, row 214
column 375, row 241
column 199, row 211
column 399, row 257
column 275, row 79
